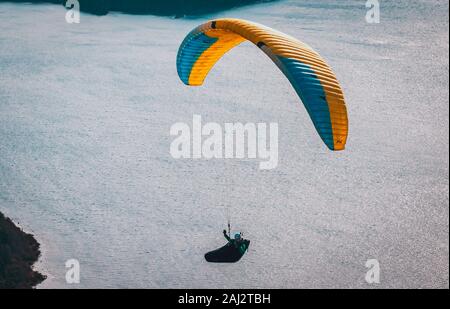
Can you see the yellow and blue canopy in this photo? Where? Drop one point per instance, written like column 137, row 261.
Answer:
column 311, row 77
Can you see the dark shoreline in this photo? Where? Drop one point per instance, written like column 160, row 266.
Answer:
column 18, row 252
column 177, row 8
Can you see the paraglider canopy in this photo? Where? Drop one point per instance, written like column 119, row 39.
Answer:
column 311, row 77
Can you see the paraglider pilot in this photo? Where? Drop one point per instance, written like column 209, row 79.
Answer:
column 237, row 238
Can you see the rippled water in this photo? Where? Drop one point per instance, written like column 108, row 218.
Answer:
column 85, row 112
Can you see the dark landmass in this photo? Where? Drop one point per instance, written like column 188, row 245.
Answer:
column 18, row 252
column 177, row 8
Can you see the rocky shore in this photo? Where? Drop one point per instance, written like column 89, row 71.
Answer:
column 18, row 252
